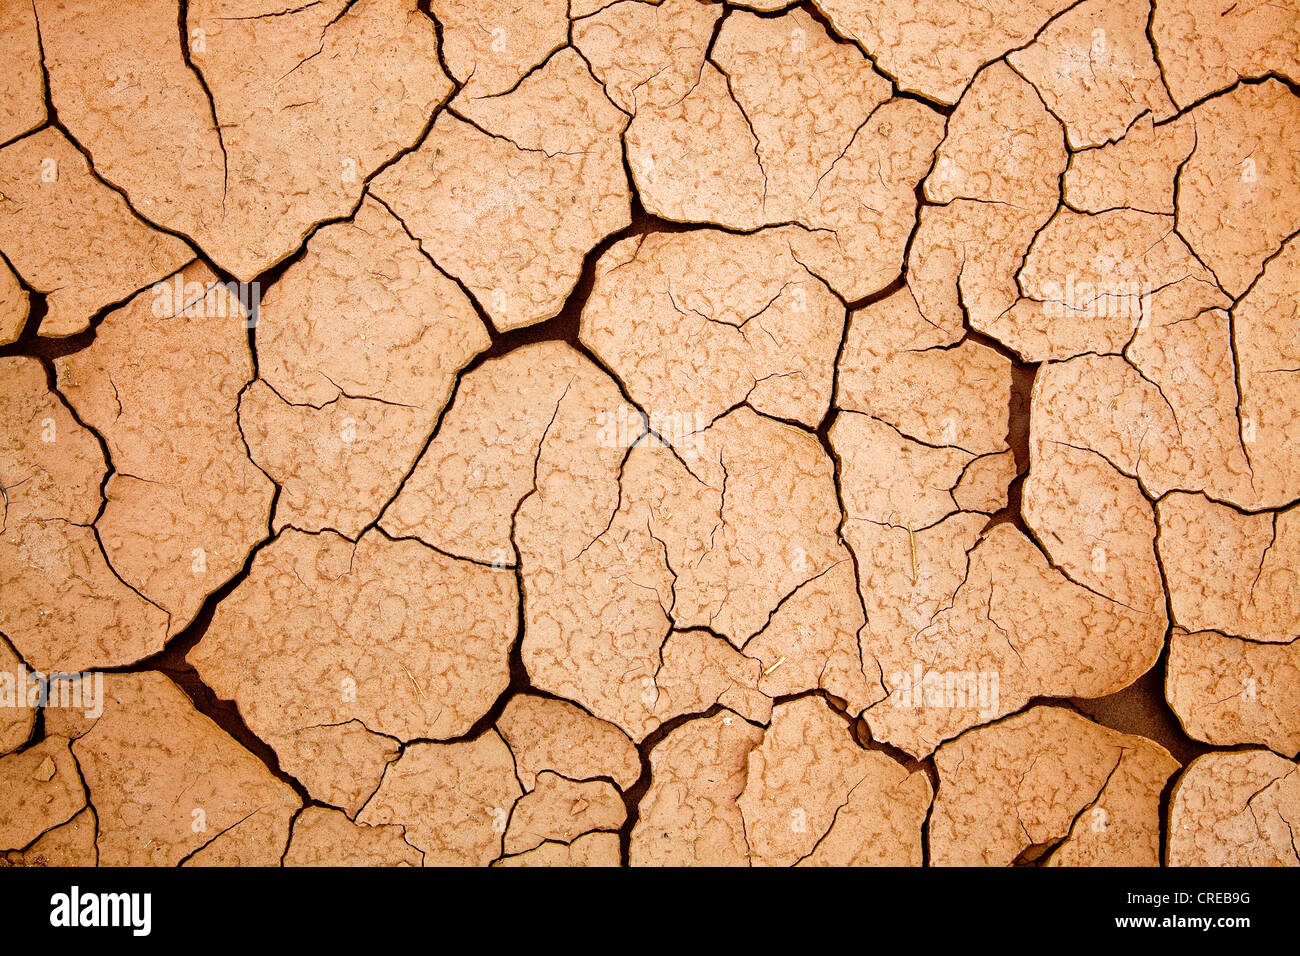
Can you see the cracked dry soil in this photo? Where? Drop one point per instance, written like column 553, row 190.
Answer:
column 597, row 433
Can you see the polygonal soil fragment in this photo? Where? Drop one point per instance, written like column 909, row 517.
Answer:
column 490, row 45
column 1235, row 809
column 699, row 669
column 546, row 734
column 811, row 641
column 985, row 482
column 698, row 322
column 336, row 464
column 358, row 346
column 22, row 103
column 42, row 789
column 1095, row 70
column 953, row 397
column 590, row 849
column 694, row 159
column 1094, row 524
column 161, row 383
column 400, row 639
column 14, row 305
column 71, row 237
column 1137, row 171
column 1090, row 516
column 1236, row 193
column 812, row 794
column 732, row 568
column 1228, row 691
column 902, row 521
column 453, row 799
column 858, row 220
column 963, row 262
column 1207, row 45
column 61, row 604
column 542, row 416
column 324, row 837
column 365, row 278
column 891, row 480
column 552, row 425
column 977, row 624
column 338, row 764
column 781, row 77
column 934, row 48
column 1048, row 781
column 1231, row 572
column 1187, row 371
column 509, row 195
column 279, row 120
column 689, row 816
column 561, row 810
column 168, row 786
column 646, row 54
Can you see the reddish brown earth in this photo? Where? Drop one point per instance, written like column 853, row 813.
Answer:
column 650, row 433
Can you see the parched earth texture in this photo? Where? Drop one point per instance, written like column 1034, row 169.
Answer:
column 649, row 433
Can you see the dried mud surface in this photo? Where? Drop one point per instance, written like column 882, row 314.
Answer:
column 649, row 433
